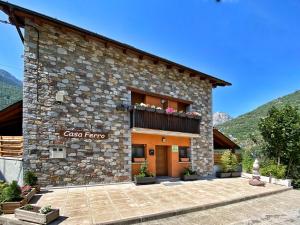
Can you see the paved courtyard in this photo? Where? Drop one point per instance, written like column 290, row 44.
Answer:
column 100, row 204
column 278, row 209
column 123, row 202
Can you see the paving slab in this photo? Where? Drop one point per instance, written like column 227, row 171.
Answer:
column 128, row 203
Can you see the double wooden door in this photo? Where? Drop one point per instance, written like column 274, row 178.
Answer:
column 161, row 160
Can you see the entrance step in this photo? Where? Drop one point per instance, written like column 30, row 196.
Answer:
column 162, row 179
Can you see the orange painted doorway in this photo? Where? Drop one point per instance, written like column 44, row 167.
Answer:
column 161, row 160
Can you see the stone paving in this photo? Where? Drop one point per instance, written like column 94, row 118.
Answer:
column 278, row 209
column 111, row 203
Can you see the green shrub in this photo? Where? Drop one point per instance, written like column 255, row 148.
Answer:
column 272, row 169
column 2, row 186
column 229, row 162
column 247, row 163
column 188, row 171
column 11, row 193
column 296, row 183
column 30, row 178
column 144, row 171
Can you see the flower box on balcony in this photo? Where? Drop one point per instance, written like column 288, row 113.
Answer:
column 184, row 159
column 139, row 107
column 182, row 115
column 161, row 111
column 150, row 109
column 33, row 215
column 139, row 160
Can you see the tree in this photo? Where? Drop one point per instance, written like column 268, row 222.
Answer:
column 281, row 132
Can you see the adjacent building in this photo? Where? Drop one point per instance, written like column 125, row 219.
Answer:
column 95, row 109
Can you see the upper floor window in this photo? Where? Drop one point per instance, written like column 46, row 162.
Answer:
column 161, row 102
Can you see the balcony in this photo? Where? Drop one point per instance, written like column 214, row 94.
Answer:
column 162, row 121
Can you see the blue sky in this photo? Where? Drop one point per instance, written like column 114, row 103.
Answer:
column 254, row 44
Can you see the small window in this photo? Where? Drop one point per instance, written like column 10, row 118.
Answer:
column 138, row 151
column 184, row 152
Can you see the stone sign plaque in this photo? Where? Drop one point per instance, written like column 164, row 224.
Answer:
column 83, row 134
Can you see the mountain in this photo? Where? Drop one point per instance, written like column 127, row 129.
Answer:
column 10, row 89
column 9, row 79
column 220, row 118
column 244, row 125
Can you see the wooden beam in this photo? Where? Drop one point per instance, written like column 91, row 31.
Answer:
column 180, row 70
column 125, row 51
column 141, row 57
column 192, row 75
column 169, row 66
column 155, row 61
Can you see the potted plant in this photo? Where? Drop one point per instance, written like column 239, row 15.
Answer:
column 139, row 160
column 11, row 198
column 184, row 159
column 37, row 214
column 152, row 108
column 170, row 110
column 159, row 110
column 182, row 114
column 189, row 175
column 144, row 177
column 140, row 106
column 194, row 115
column 229, row 164
column 32, row 180
column 28, row 192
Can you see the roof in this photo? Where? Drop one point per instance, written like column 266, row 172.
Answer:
column 223, row 142
column 11, row 120
column 18, row 14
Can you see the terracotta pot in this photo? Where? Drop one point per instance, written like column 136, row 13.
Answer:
column 184, row 159
column 139, row 159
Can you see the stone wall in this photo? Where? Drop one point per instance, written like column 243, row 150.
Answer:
column 94, row 78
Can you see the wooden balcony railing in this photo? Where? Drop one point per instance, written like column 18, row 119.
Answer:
column 163, row 121
column 11, row 146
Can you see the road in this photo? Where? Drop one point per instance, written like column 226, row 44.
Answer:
column 282, row 208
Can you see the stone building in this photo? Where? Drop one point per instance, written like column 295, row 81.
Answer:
column 95, row 109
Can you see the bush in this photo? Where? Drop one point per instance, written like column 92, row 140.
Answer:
column 188, row 172
column 144, row 171
column 247, row 163
column 229, row 162
column 272, row 169
column 11, row 193
column 296, row 183
column 30, row 178
column 2, row 186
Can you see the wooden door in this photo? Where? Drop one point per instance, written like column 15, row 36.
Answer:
column 161, row 160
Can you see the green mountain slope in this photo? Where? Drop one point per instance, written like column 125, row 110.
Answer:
column 10, row 89
column 244, row 125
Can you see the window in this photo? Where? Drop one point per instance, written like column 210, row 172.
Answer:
column 138, row 151
column 184, row 152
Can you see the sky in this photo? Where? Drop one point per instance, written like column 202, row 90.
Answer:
column 254, row 44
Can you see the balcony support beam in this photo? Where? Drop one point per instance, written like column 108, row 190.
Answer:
column 162, row 132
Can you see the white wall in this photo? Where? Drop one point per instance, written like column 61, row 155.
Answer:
column 11, row 169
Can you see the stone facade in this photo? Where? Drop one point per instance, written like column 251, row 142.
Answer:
column 94, row 78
